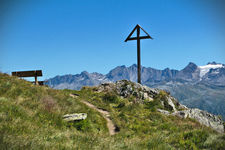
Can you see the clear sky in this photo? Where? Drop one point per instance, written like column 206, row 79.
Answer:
column 70, row 36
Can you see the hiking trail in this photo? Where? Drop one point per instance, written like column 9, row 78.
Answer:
column 105, row 114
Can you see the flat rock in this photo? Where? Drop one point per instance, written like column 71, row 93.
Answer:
column 75, row 117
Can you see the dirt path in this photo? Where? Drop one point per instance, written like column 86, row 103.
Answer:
column 105, row 114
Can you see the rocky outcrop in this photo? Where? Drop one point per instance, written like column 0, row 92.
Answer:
column 141, row 93
column 126, row 89
column 203, row 117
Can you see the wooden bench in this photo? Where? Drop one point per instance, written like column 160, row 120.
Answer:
column 32, row 73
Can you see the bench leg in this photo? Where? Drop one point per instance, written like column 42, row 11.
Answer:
column 36, row 81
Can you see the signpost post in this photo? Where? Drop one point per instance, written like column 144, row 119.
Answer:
column 138, row 38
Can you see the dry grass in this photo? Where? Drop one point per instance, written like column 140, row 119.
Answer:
column 49, row 103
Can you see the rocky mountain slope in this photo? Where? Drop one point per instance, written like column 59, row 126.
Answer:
column 200, row 87
column 32, row 117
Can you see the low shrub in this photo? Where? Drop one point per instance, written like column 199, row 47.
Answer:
column 83, row 125
column 121, row 105
column 49, row 103
column 195, row 138
column 110, row 97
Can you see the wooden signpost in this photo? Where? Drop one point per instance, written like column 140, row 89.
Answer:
column 33, row 73
column 138, row 38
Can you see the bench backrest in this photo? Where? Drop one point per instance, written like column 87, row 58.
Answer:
column 33, row 73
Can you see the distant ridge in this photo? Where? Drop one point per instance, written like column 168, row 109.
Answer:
column 212, row 73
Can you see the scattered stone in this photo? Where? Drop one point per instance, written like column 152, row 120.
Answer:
column 163, row 111
column 74, row 117
column 74, row 95
column 167, row 102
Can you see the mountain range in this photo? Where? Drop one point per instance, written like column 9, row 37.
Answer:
column 202, row 87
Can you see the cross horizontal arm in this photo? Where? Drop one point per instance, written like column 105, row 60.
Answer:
column 142, row 37
column 131, row 34
column 145, row 32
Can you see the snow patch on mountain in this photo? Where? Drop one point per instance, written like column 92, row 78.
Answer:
column 205, row 69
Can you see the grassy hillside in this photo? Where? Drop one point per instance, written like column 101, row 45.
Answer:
column 31, row 118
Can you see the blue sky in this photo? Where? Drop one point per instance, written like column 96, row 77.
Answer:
column 68, row 37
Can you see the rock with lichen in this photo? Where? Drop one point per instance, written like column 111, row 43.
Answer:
column 74, row 117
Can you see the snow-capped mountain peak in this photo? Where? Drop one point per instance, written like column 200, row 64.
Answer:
column 205, row 69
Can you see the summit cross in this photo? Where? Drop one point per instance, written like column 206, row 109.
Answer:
column 138, row 38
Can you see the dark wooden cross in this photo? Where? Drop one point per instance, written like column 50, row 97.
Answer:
column 138, row 38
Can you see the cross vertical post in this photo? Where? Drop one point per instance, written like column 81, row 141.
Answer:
column 138, row 38
column 138, row 56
